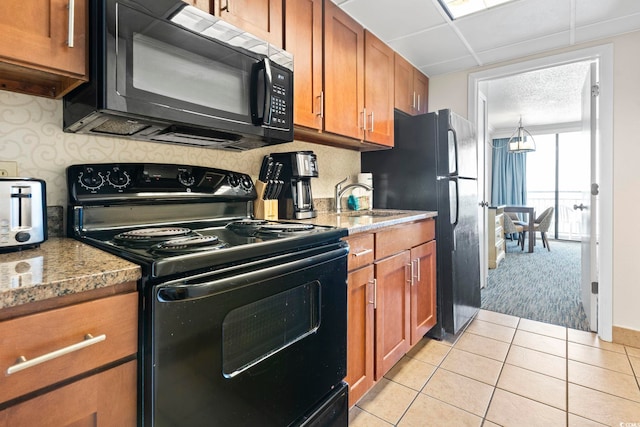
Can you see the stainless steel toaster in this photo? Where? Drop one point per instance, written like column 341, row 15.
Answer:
column 23, row 213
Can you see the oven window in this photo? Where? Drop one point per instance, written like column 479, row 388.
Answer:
column 189, row 77
column 253, row 332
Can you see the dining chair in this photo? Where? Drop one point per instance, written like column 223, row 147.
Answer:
column 509, row 227
column 542, row 224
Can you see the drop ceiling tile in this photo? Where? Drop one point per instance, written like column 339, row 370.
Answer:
column 608, row 28
column 389, row 21
column 589, row 11
column 452, row 66
column 515, row 22
column 525, row 48
column 436, row 45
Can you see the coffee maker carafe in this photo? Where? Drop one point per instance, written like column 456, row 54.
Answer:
column 296, row 200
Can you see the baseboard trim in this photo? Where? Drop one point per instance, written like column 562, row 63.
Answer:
column 624, row 336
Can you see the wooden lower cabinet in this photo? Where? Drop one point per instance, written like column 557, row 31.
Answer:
column 391, row 299
column 392, row 311
column 104, row 399
column 360, row 332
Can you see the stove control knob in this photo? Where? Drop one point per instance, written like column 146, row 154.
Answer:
column 91, row 179
column 234, row 181
column 246, row 183
column 186, row 178
column 118, row 178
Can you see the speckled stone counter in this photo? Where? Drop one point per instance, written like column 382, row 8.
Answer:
column 59, row 267
column 359, row 221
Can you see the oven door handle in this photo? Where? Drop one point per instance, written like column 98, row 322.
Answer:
column 180, row 291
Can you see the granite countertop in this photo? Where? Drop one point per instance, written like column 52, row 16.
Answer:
column 362, row 221
column 59, row 267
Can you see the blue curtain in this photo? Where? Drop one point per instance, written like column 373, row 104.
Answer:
column 509, row 175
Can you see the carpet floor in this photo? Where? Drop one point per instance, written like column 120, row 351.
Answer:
column 542, row 286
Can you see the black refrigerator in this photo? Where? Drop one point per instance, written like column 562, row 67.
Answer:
column 433, row 166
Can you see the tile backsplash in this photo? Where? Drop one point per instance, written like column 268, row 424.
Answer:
column 31, row 134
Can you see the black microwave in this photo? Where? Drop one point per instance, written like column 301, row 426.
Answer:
column 164, row 71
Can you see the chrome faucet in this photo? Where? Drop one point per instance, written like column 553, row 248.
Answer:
column 340, row 191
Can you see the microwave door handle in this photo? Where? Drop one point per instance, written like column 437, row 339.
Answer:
column 261, row 114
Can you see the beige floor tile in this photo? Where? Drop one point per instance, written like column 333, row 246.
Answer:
column 632, row 351
column 410, row 372
column 635, row 364
column 429, row 351
column 360, row 418
column 602, row 407
column 489, row 424
column 508, row 409
column 576, row 421
column 473, row 366
column 590, row 338
column 606, row 380
column 462, row 392
column 483, row 346
column 541, row 343
column 538, row 361
column 491, row 330
column 603, row 358
column 498, row 318
column 541, row 328
column 387, row 400
column 427, row 411
column 539, row 387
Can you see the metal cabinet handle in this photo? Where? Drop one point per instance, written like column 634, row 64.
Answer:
column 418, row 268
column 23, row 363
column 321, row 97
column 362, row 253
column 226, row 7
column 410, row 280
column 413, row 101
column 372, row 282
column 375, row 293
column 418, row 102
column 364, row 119
column 72, row 9
column 372, row 120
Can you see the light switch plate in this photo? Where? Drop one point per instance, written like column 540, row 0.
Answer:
column 8, row 169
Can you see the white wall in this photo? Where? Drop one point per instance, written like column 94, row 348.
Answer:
column 31, row 134
column 450, row 91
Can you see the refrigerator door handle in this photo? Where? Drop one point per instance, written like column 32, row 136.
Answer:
column 453, row 152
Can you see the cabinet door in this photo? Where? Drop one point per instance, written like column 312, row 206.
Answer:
column 360, row 303
column 204, row 5
column 392, row 311
column 344, row 79
column 303, row 38
column 404, row 98
column 104, row 399
column 36, row 32
column 423, row 290
column 378, row 91
column 421, row 89
column 262, row 18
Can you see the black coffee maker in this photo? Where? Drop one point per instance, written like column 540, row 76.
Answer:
column 296, row 200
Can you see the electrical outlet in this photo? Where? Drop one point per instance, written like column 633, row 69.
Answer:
column 8, row 169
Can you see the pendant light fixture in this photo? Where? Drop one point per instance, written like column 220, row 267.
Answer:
column 521, row 140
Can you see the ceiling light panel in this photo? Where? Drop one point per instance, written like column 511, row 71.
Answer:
column 458, row 8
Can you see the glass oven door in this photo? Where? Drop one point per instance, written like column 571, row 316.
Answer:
column 260, row 347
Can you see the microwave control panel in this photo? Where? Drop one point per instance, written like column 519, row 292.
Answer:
column 281, row 96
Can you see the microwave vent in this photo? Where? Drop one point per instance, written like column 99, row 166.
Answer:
column 120, row 127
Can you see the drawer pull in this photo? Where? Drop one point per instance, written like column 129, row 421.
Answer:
column 365, row 252
column 23, row 363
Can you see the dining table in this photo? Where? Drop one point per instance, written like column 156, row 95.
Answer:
column 529, row 227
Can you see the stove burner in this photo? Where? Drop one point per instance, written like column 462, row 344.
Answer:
column 189, row 244
column 280, row 230
column 146, row 234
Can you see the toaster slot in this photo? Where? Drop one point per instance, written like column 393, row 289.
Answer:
column 21, row 206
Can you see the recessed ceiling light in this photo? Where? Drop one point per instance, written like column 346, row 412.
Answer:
column 457, row 8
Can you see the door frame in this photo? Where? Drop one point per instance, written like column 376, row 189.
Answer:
column 603, row 54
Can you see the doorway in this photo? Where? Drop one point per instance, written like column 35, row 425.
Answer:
column 603, row 55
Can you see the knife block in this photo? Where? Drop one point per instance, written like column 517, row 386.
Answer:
column 264, row 209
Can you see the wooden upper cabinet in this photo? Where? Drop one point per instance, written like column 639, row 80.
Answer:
column 204, row 5
column 344, row 76
column 262, row 18
column 411, row 87
column 378, row 91
column 41, row 53
column 303, row 38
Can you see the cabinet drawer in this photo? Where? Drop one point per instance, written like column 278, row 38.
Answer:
column 396, row 239
column 360, row 250
column 114, row 318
